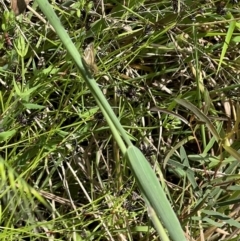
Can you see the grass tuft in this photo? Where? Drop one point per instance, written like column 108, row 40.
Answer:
column 70, row 166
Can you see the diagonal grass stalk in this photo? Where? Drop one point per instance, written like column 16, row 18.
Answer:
column 146, row 178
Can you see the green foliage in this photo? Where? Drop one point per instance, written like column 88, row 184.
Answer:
column 71, row 168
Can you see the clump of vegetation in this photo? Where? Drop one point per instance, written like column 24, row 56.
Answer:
column 169, row 70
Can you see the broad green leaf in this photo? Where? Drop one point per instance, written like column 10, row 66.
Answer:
column 154, row 193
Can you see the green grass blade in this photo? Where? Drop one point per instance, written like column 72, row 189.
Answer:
column 201, row 116
column 147, row 180
column 154, row 193
column 178, row 145
column 72, row 50
column 231, row 151
column 226, row 42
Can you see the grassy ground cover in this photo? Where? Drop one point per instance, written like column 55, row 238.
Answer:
column 170, row 72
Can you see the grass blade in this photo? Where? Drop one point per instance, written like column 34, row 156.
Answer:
column 201, row 116
column 154, row 193
column 227, row 41
column 143, row 172
column 72, row 50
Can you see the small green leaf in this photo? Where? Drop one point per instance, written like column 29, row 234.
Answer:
column 236, row 39
column 21, row 46
column 31, row 106
column 6, row 135
column 25, row 94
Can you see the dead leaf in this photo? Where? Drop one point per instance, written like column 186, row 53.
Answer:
column 19, row 6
